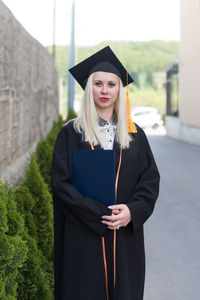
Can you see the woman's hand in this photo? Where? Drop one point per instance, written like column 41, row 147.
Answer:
column 120, row 217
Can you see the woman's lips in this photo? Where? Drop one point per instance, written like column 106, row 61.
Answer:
column 104, row 99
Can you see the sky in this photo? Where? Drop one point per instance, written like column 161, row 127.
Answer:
column 99, row 20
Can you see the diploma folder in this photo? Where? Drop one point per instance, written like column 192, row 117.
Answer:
column 93, row 174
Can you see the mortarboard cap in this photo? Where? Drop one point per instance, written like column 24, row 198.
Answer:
column 104, row 60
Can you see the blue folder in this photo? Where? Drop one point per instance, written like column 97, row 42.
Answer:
column 93, row 174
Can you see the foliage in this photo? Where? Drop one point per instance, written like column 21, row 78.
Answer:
column 13, row 248
column 149, row 79
column 71, row 115
column 25, row 205
column 44, row 160
column 141, row 57
column 33, row 280
column 146, row 62
column 149, row 97
column 42, row 209
column 44, row 152
column 43, row 215
column 26, row 228
column 163, row 118
column 51, row 137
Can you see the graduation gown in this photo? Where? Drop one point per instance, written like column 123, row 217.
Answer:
column 78, row 258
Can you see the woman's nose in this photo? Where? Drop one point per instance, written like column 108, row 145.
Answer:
column 104, row 89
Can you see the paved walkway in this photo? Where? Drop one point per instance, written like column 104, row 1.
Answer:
column 172, row 234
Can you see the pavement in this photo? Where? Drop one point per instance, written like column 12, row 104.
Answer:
column 172, row 233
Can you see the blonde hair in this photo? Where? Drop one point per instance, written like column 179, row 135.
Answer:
column 87, row 122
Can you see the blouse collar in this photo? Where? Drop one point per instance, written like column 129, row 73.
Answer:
column 103, row 122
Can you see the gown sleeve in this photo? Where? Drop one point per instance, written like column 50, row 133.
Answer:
column 83, row 211
column 143, row 197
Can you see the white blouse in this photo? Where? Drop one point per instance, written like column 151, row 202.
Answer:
column 108, row 130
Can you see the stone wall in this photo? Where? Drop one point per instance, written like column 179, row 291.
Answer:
column 28, row 95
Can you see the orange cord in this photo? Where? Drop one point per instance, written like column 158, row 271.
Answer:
column 117, row 177
column 114, row 236
column 105, row 265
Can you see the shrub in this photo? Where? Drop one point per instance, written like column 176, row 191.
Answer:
column 71, row 115
column 25, row 204
column 43, row 216
column 51, row 137
column 44, row 160
column 26, row 228
column 13, row 248
column 44, row 152
column 43, row 209
column 35, row 281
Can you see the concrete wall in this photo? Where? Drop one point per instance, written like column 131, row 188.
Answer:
column 28, row 95
column 190, row 63
column 178, row 130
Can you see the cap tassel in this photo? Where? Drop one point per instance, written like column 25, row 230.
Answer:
column 131, row 126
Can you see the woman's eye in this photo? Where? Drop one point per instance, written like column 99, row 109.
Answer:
column 99, row 83
column 111, row 84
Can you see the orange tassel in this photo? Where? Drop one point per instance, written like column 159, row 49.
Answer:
column 131, row 126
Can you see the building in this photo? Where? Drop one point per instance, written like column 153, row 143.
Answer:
column 186, row 124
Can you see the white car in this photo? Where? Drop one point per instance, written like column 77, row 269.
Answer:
column 146, row 116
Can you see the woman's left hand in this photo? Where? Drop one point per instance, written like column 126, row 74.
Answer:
column 121, row 219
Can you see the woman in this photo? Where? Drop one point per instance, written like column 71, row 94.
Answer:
column 99, row 250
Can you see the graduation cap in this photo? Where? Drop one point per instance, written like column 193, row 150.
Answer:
column 106, row 61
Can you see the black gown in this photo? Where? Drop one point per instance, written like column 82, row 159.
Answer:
column 78, row 257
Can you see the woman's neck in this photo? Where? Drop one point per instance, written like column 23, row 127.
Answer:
column 107, row 115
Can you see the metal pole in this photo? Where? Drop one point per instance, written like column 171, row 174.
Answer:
column 54, row 29
column 71, row 83
column 168, row 89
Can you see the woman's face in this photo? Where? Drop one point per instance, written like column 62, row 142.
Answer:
column 105, row 89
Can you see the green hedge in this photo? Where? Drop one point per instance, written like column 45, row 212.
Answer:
column 13, row 248
column 26, row 228
column 34, row 281
column 45, row 147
